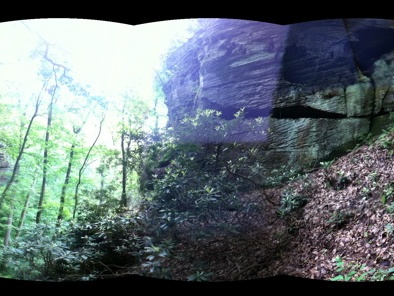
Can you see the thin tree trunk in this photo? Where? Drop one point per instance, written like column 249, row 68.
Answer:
column 65, row 184
column 156, row 128
column 21, row 151
column 7, row 236
column 123, row 200
column 82, row 168
column 102, row 182
column 52, row 91
column 25, row 206
column 45, row 162
column 125, row 148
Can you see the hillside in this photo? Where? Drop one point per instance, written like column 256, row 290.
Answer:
column 349, row 215
column 347, row 222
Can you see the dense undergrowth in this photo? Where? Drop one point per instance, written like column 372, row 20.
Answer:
column 206, row 215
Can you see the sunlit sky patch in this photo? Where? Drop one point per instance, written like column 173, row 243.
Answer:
column 115, row 60
column 111, row 57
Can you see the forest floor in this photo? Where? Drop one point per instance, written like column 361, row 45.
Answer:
column 349, row 215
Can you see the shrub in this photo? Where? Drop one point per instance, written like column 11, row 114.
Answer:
column 38, row 255
column 199, row 276
column 76, row 251
column 156, row 255
column 290, row 202
column 109, row 244
column 340, row 218
column 201, row 170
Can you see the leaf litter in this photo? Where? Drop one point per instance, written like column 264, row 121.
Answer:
column 347, row 216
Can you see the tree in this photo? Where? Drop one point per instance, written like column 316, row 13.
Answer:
column 79, row 120
column 76, row 200
column 52, row 91
column 25, row 205
column 134, row 115
column 7, row 236
column 67, row 180
column 22, row 148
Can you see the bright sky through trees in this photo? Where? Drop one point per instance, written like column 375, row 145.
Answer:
column 113, row 59
column 110, row 57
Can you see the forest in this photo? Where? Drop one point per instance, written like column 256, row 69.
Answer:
column 93, row 187
column 71, row 167
column 97, row 186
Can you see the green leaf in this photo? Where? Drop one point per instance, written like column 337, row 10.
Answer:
column 384, row 198
column 373, row 270
column 150, row 257
column 349, row 276
column 362, row 277
column 338, row 278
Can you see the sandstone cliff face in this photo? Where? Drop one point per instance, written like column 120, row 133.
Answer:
column 321, row 84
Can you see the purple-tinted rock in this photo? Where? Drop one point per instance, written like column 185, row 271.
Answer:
column 322, row 83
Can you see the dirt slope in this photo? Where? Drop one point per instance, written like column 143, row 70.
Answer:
column 348, row 215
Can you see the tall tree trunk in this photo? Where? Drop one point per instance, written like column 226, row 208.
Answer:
column 52, row 91
column 125, row 149
column 21, row 151
column 65, row 184
column 123, row 200
column 82, row 168
column 45, row 162
column 25, row 206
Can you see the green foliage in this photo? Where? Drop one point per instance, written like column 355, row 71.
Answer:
column 37, row 256
column 385, row 140
column 360, row 272
column 364, row 139
column 207, row 126
column 389, row 228
column 110, row 236
column 326, row 164
column 390, row 208
column 340, row 268
column 98, row 204
column 339, row 218
column 281, row 175
column 198, row 172
column 155, row 257
column 199, row 276
column 388, row 193
column 290, row 202
column 182, row 194
column 76, row 251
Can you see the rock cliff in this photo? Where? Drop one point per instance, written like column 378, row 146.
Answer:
column 321, row 85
